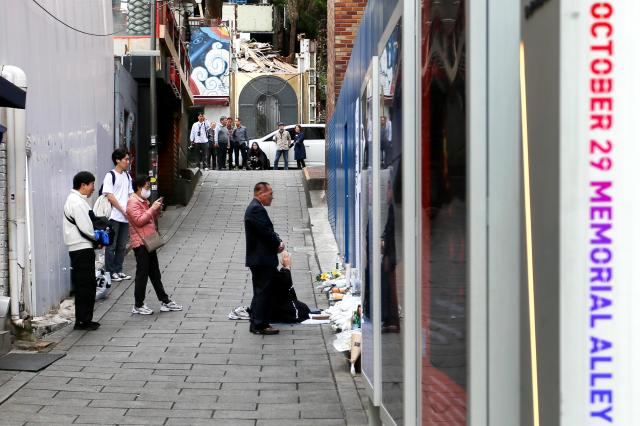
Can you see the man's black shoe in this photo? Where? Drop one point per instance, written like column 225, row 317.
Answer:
column 267, row 331
column 91, row 325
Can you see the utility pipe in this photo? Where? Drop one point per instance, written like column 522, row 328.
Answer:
column 16, row 181
column 153, row 113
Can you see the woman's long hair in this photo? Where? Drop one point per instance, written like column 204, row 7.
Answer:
column 257, row 150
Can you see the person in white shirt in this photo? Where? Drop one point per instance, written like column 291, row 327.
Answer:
column 78, row 230
column 198, row 138
column 117, row 186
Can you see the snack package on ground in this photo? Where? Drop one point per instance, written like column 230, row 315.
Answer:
column 356, row 341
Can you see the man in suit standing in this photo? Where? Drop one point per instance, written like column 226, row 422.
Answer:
column 263, row 246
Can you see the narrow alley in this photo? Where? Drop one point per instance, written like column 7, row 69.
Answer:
column 197, row 367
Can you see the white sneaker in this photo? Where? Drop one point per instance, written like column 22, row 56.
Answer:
column 171, row 306
column 242, row 312
column 115, row 277
column 143, row 310
column 124, row 276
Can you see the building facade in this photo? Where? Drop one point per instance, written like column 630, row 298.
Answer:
column 343, row 19
column 69, row 125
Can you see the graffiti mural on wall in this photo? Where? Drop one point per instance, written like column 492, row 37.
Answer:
column 210, row 59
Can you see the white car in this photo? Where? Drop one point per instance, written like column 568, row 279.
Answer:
column 313, row 142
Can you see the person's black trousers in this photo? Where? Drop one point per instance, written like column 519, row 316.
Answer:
column 147, row 267
column 262, row 277
column 203, row 149
column 301, row 164
column 230, row 153
column 236, row 153
column 222, row 155
column 244, row 149
column 83, row 283
column 212, row 155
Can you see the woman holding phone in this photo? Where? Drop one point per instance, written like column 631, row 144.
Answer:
column 142, row 216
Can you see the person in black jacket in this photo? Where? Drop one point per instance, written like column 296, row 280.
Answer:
column 285, row 306
column 299, row 151
column 262, row 248
column 257, row 158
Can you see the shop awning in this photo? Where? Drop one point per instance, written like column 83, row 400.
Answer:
column 211, row 100
column 11, row 96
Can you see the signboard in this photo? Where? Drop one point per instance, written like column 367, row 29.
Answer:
column 600, row 213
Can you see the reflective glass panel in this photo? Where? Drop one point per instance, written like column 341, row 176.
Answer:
column 444, row 214
column 365, row 139
column 391, row 239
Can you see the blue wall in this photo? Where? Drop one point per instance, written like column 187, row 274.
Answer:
column 340, row 129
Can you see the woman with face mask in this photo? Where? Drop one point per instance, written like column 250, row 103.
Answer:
column 257, row 158
column 142, row 216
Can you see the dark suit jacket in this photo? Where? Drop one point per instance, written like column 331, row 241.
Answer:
column 262, row 241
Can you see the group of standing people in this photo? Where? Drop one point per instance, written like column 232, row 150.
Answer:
column 132, row 218
column 215, row 142
column 283, row 141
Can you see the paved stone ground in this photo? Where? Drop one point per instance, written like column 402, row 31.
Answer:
column 196, row 367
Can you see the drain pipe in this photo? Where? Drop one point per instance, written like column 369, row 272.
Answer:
column 16, row 211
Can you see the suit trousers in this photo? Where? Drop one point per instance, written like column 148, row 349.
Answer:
column 222, row 155
column 83, row 283
column 203, row 150
column 212, row 155
column 262, row 277
column 230, row 154
column 147, row 267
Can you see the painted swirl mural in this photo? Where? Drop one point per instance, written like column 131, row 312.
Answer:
column 210, row 60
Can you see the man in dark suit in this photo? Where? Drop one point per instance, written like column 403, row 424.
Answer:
column 263, row 246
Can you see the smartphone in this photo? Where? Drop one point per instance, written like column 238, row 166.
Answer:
column 161, row 199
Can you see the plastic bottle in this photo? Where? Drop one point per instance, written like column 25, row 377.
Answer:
column 355, row 321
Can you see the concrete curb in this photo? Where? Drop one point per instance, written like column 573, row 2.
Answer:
column 326, row 250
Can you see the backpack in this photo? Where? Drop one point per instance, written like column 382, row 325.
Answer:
column 102, row 206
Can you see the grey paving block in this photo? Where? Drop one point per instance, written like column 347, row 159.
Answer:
column 83, row 411
column 111, row 403
column 175, row 413
column 202, row 403
column 167, row 368
column 120, row 396
column 301, row 422
column 122, row 420
column 21, row 418
column 14, row 407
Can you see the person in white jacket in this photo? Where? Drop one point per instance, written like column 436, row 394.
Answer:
column 78, row 232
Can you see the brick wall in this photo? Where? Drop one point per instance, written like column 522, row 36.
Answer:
column 343, row 21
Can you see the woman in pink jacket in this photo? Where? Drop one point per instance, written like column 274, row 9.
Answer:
column 142, row 223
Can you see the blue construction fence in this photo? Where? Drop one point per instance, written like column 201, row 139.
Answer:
column 341, row 132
